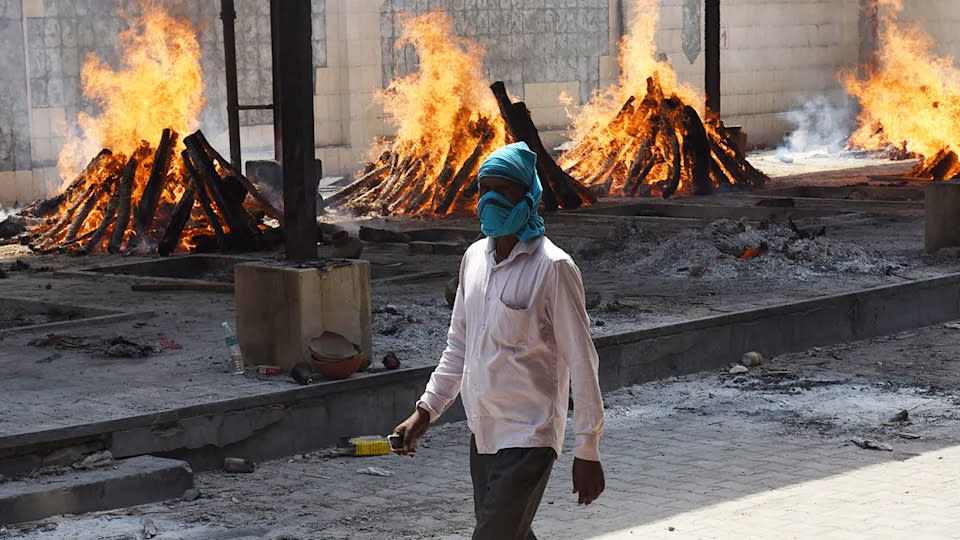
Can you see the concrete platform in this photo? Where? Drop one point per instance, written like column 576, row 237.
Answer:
column 279, row 423
column 129, row 482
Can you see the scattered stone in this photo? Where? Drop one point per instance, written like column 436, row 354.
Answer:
column 751, row 359
column 901, row 416
column 95, row 460
column 390, row 361
column 148, row 528
column 600, row 323
column 869, row 444
column 737, row 369
column 955, row 325
column 238, row 465
column 375, row 471
column 391, row 309
column 671, row 529
column 191, row 494
column 911, row 436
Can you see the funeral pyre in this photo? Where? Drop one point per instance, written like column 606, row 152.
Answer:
column 645, row 136
column 140, row 194
column 911, row 100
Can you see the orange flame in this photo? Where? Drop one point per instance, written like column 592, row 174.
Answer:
column 913, row 98
column 437, row 110
column 160, row 85
column 638, row 61
column 649, row 127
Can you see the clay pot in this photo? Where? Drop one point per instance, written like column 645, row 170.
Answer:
column 335, row 357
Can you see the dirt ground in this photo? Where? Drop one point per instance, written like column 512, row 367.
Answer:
column 810, row 402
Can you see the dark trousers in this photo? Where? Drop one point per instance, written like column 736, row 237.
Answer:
column 507, row 488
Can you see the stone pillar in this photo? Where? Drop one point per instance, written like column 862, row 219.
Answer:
column 942, row 209
column 281, row 306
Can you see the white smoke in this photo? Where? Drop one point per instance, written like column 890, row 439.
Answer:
column 821, row 128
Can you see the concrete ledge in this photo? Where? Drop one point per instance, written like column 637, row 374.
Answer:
column 303, row 418
column 131, row 482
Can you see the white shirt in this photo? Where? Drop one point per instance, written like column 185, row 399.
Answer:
column 518, row 334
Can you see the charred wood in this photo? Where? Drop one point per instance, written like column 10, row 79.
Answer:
column 171, row 235
column 48, row 206
column 125, row 189
column 159, row 173
column 200, row 193
column 696, row 151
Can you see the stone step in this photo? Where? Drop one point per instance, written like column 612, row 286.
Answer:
column 129, row 482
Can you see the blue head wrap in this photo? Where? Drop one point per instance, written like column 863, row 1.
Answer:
column 498, row 215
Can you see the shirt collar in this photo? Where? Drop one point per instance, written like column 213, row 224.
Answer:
column 522, row 248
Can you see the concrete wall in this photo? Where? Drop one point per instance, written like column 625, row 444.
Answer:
column 43, row 44
column 775, row 55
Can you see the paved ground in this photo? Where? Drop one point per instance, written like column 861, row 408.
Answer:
column 760, row 455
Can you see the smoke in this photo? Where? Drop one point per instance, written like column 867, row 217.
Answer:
column 821, row 126
column 6, row 212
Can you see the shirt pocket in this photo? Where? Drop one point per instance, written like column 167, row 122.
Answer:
column 511, row 327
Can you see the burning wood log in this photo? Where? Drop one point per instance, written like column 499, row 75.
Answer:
column 162, row 160
column 944, row 165
column 365, row 182
column 239, row 222
column 171, row 235
column 46, row 207
column 559, row 188
column 659, row 147
column 125, row 189
column 201, row 196
column 132, row 199
column 456, row 186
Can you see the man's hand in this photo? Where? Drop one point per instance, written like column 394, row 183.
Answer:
column 587, row 480
column 410, row 431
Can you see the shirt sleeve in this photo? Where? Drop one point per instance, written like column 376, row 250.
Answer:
column 571, row 329
column 444, row 384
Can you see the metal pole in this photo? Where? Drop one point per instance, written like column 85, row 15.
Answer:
column 712, row 45
column 228, row 15
column 293, row 123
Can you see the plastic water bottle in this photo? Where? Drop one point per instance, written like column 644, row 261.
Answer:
column 230, row 339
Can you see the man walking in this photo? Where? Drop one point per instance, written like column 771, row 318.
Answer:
column 519, row 335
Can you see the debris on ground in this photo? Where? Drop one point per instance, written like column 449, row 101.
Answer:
column 751, row 359
column 238, row 465
column 391, row 361
column 117, row 347
column 148, row 528
column 731, row 248
column 869, row 444
column 191, row 494
column 737, row 369
column 901, row 416
column 96, row 460
column 302, row 372
column 375, row 471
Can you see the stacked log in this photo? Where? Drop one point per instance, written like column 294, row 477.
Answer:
column 154, row 201
column 944, row 165
column 660, row 147
column 407, row 180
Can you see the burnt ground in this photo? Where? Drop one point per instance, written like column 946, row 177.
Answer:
column 704, row 439
column 639, row 272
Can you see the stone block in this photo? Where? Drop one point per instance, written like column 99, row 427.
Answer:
column 130, row 482
column 281, row 306
column 942, row 209
column 33, row 8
